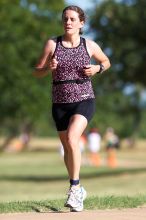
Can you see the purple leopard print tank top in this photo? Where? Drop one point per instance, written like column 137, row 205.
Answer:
column 70, row 67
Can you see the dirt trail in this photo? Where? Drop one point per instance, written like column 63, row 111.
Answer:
column 124, row 214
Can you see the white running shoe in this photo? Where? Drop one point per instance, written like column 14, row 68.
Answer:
column 75, row 199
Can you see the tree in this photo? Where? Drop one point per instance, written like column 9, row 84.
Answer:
column 119, row 28
column 25, row 25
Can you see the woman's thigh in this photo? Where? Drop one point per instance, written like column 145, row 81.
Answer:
column 77, row 125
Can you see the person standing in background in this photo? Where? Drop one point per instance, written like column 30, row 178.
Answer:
column 94, row 146
column 111, row 144
column 73, row 101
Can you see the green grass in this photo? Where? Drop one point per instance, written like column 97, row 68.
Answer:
column 37, row 181
column 92, row 203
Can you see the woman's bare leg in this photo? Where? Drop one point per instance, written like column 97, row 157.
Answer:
column 70, row 140
column 75, row 129
column 63, row 138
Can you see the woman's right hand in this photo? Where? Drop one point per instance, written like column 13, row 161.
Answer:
column 53, row 63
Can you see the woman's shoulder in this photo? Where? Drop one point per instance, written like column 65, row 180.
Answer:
column 53, row 40
column 51, row 43
column 92, row 45
column 90, row 42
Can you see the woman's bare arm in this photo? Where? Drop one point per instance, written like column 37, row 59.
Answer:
column 43, row 65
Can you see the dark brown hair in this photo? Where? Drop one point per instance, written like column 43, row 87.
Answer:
column 80, row 12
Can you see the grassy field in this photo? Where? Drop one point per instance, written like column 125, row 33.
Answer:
column 41, row 179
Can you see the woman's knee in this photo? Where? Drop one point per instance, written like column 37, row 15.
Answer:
column 72, row 141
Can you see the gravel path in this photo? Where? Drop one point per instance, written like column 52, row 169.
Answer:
column 123, row 214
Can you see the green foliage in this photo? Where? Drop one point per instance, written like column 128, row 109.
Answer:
column 119, row 28
column 114, row 109
column 25, row 26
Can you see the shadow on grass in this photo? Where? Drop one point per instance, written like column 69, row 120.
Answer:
column 46, row 209
column 91, row 174
column 33, row 206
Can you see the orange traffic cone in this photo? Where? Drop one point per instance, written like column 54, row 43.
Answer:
column 95, row 159
column 111, row 158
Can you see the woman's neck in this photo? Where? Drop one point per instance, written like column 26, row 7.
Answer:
column 71, row 40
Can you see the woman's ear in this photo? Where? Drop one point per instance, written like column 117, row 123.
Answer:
column 81, row 24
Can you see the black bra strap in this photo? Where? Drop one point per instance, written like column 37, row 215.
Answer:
column 58, row 39
column 84, row 42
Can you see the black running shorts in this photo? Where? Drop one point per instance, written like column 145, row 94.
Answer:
column 62, row 112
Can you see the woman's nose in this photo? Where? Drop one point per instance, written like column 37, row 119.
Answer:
column 68, row 21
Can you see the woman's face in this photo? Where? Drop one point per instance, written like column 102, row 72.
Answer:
column 71, row 22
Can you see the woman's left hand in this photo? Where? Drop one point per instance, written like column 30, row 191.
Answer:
column 91, row 70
